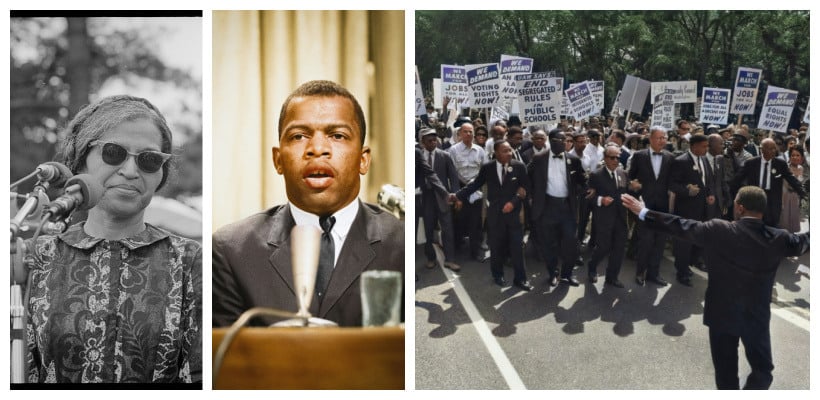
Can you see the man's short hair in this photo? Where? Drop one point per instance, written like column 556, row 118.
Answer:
column 553, row 133
column 498, row 143
column 514, row 130
column 593, row 133
column 753, row 198
column 320, row 88
column 698, row 138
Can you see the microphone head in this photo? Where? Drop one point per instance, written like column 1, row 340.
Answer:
column 54, row 173
column 90, row 190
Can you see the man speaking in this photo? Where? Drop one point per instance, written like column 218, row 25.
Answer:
column 745, row 255
column 321, row 154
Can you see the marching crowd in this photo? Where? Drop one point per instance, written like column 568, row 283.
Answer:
column 555, row 189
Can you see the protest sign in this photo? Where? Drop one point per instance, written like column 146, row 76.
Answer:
column 597, row 90
column 539, row 98
column 806, row 115
column 437, row 93
column 746, row 85
column 615, row 110
column 777, row 109
column 714, row 108
column 484, row 83
column 581, row 103
column 682, row 91
column 663, row 110
column 510, row 67
column 454, row 85
column 633, row 94
column 420, row 106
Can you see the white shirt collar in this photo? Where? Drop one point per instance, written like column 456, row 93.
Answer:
column 344, row 219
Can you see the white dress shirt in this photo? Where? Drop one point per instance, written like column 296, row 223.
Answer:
column 344, row 220
column 557, row 176
column 468, row 161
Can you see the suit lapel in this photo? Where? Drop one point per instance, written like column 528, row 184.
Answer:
column 279, row 239
column 354, row 258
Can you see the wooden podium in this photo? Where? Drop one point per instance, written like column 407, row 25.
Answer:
column 312, row 358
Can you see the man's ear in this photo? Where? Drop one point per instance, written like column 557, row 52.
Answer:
column 277, row 159
column 364, row 161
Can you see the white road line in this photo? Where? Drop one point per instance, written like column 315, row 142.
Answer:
column 501, row 361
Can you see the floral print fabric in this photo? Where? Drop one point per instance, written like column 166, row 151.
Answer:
column 126, row 310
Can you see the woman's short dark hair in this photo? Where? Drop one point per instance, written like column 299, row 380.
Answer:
column 105, row 114
column 321, row 88
column 753, row 198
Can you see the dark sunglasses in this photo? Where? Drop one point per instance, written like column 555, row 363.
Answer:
column 148, row 161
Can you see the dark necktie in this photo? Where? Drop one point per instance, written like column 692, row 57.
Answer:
column 657, row 153
column 701, row 171
column 326, row 256
column 764, row 180
column 503, row 172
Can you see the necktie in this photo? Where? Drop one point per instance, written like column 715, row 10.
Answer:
column 326, row 256
column 430, row 159
column 764, row 180
column 656, row 153
column 700, row 170
column 503, row 172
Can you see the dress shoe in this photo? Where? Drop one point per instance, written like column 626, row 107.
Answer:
column 430, row 264
column 639, row 280
column 500, row 281
column 593, row 278
column 525, row 286
column 572, row 281
column 685, row 281
column 553, row 281
column 615, row 283
column 453, row 266
column 657, row 280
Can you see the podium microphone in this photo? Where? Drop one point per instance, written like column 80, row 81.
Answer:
column 82, row 192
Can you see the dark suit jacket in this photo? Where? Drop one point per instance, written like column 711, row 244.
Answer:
column 499, row 193
column 749, row 174
column 252, row 265
column 743, row 257
column 538, row 171
column 426, row 178
column 607, row 216
column 722, row 174
column 683, row 173
column 655, row 191
column 446, row 173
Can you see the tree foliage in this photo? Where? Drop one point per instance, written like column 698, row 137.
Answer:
column 707, row 46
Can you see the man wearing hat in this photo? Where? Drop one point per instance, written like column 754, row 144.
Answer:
column 693, row 184
column 435, row 209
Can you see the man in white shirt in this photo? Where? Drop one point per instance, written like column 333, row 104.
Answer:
column 468, row 158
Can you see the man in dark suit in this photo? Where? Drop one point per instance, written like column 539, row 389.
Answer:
column 507, row 184
column 722, row 171
column 768, row 172
column 321, row 154
column 692, row 183
column 434, row 207
column 539, row 144
column 743, row 257
column 649, row 178
column 557, row 178
column 609, row 184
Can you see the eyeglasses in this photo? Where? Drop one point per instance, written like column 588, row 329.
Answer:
column 148, row 161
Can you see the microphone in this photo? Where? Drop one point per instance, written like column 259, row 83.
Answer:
column 391, row 198
column 54, row 173
column 81, row 193
column 304, row 249
column 305, row 243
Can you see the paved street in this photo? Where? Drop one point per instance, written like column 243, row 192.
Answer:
column 472, row 334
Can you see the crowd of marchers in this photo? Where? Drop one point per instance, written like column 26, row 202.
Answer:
column 491, row 190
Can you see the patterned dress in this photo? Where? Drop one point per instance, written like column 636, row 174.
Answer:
column 103, row 311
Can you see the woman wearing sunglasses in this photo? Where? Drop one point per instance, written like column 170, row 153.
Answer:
column 114, row 299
